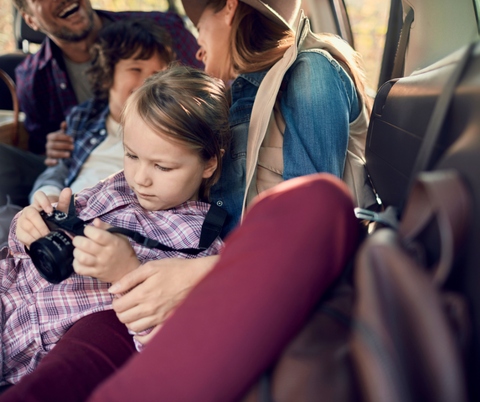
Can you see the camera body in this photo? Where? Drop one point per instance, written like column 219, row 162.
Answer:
column 52, row 254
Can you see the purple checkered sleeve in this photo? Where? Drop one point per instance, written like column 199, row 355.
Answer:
column 35, row 314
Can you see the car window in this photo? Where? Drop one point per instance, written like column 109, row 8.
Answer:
column 7, row 42
column 476, row 3
column 127, row 5
column 369, row 20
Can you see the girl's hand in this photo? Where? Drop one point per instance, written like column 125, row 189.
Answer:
column 156, row 289
column 30, row 225
column 103, row 255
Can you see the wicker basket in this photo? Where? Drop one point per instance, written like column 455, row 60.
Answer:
column 12, row 131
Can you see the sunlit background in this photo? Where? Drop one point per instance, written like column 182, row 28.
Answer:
column 368, row 19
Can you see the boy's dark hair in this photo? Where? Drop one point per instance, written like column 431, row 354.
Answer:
column 140, row 37
column 189, row 106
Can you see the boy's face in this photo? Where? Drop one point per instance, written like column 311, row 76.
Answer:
column 162, row 173
column 129, row 74
column 70, row 21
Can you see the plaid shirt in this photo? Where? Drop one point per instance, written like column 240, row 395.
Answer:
column 45, row 93
column 87, row 125
column 35, row 313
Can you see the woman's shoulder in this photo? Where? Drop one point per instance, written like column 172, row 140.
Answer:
column 316, row 71
column 313, row 65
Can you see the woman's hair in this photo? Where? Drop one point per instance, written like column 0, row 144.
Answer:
column 257, row 43
column 189, row 106
column 139, row 37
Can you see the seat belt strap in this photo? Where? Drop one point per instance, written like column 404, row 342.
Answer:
column 211, row 228
column 434, row 128
column 399, row 64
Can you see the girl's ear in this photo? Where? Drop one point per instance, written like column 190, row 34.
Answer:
column 210, row 167
column 230, row 9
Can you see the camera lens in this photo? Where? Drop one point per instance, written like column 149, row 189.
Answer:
column 52, row 255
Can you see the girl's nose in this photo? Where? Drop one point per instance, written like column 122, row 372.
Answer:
column 200, row 54
column 142, row 178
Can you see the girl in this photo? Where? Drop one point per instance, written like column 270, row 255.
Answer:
column 174, row 131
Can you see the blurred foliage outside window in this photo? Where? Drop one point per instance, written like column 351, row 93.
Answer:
column 369, row 20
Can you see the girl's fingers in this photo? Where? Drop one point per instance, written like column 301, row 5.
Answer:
column 87, row 246
column 41, row 202
column 84, row 259
column 100, row 224
column 64, row 200
column 99, row 236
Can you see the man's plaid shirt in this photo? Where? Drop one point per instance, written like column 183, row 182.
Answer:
column 35, row 313
column 45, row 93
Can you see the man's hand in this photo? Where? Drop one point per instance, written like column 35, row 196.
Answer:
column 31, row 226
column 103, row 255
column 59, row 145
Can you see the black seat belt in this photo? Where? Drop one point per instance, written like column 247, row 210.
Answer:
column 399, row 63
column 434, row 128
column 211, row 228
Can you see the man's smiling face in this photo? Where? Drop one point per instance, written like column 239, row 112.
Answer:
column 66, row 20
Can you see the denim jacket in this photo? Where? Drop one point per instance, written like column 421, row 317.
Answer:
column 318, row 103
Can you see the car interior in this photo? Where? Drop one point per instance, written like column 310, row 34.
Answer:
column 425, row 118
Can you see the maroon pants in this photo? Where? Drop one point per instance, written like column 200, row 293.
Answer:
column 88, row 353
column 293, row 243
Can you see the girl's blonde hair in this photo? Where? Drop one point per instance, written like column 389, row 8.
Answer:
column 257, row 43
column 188, row 106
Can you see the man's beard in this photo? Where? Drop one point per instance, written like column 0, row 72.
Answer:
column 69, row 36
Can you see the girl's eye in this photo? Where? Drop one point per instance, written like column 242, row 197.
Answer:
column 129, row 155
column 137, row 70
column 163, row 169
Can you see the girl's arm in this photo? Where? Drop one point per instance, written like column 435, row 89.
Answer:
column 156, row 289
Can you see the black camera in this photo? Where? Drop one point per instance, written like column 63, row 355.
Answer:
column 52, row 255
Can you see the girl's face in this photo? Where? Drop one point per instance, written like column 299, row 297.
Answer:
column 214, row 41
column 129, row 74
column 162, row 173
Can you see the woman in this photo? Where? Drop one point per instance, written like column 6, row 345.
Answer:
column 294, row 252
column 319, row 102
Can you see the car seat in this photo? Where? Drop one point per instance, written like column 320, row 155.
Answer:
column 399, row 120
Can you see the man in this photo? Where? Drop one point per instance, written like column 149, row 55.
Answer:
column 51, row 82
